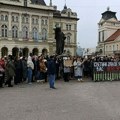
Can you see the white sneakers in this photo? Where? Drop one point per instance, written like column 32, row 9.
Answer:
column 80, row 80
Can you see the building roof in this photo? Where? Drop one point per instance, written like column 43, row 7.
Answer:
column 41, row 2
column 108, row 15
column 113, row 36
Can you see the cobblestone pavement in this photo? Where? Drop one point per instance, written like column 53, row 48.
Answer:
column 70, row 101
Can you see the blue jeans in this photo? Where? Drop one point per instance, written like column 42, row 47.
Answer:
column 51, row 79
column 29, row 75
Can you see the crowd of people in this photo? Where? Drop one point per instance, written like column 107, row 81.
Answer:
column 45, row 69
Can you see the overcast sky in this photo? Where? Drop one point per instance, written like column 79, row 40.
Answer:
column 89, row 13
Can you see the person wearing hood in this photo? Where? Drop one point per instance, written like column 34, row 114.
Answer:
column 30, row 67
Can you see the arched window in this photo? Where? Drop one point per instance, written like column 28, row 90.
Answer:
column 44, row 34
column 68, row 40
column 23, row 19
column 25, row 33
column 26, row 20
column 4, row 30
column 117, row 47
column 2, row 17
column 14, row 32
column 45, row 22
column 35, row 34
column 6, row 18
column 42, row 22
column 33, row 20
column 16, row 18
column 13, row 19
column 36, row 21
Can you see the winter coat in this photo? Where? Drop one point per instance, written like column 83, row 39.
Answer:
column 78, row 68
column 51, row 67
column 10, row 69
column 30, row 63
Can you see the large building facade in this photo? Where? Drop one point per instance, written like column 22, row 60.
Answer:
column 108, row 34
column 27, row 26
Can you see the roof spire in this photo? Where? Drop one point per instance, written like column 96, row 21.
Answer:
column 50, row 2
column 65, row 7
column 108, row 8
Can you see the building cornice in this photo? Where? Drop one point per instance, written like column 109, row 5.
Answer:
column 63, row 17
column 45, row 8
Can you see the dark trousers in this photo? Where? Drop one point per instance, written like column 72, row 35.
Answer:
column 8, row 82
column 1, row 81
column 66, row 77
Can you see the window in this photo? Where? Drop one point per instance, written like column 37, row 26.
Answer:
column 25, row 3
column 117, row 47
column 13, row 19
column 16, row 18
column 45, row 22
column 6, row 18
column 109, row 48
column 36, row 1
column 2, row 17
column 35, row 34
column 68, row 40
column 36, row 21
column 14, row 32
column 106, row 48
column 4, row 31
column 33, row 20
column 26, row 20
column 23, row 19
column 68, row 14
column 25, row 33
column 99, row 37
column 44, row 34
column 75, row 27
column 67, row 27
column 102, row 35
column 42, row 22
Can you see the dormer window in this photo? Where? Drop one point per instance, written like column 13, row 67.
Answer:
column 36, row 1
column 25, row 3
column 68, row 14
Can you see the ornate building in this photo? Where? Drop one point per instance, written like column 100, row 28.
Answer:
column 27, row 26
column 109, row 34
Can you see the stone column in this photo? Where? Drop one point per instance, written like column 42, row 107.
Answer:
column 50, row 32
column 20, row 26
column 39, row 24
column 39, row 29
column 30, row 26
column 10, row 26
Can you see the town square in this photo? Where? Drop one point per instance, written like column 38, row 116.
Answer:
column 59, row 61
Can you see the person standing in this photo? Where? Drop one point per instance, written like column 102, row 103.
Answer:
column 10, row 71
column 2, row 71
column 43, row 69
column 78, row 69
column 30, row 67
column 51, row 71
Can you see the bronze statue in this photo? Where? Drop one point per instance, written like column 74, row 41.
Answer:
column 60, row 40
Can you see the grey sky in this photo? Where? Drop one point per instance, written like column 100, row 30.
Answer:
column 89, row 12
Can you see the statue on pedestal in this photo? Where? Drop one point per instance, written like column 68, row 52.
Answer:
column 60, row 40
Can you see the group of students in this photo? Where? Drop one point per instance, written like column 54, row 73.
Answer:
column 40, row 68
column 30, row 70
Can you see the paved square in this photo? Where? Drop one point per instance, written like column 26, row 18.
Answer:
column 70, row 101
